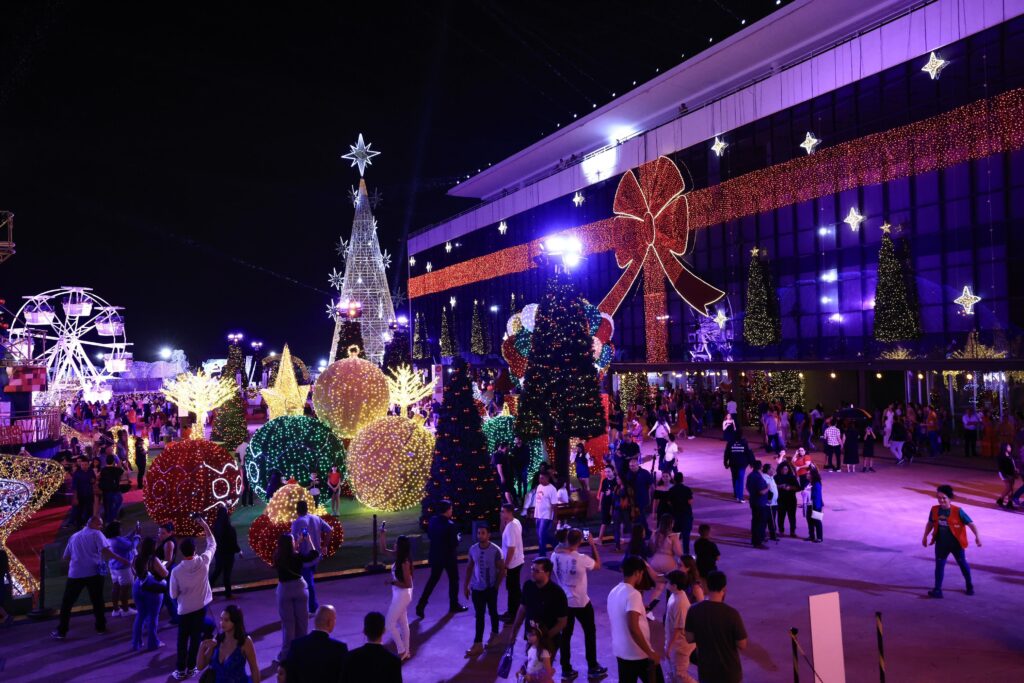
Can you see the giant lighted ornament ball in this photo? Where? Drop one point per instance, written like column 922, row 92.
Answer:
column 389, row 463
column 293, row 445
column 264, row 532
column 350, row 394
column 282, row 508
column 187, row 477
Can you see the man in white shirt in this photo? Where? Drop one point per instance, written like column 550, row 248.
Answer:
column 730, row 406
column 512, row 545
column 571, row 567
column 87, row 553
column 190, row 587
column 833, row 446
column 631, row 636
column 544, row 513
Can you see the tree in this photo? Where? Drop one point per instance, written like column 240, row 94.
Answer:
column 761, row 323
column 480, row 343
column 235, row 367
column 561, row 397
column 461, row 471
column 396, row 352
column 229, row 425
column 449, row 345
column 896, row 316
column 421, row 345
column 198, row 393
column 350, row 331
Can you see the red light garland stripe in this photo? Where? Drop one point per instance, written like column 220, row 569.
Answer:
column 973, row 131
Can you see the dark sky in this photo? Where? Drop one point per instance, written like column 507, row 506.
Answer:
column 183, row 159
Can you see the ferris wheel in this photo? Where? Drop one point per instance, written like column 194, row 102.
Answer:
column 78, row 336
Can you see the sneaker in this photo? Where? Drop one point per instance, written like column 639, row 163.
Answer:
column 570, row 674
column 935, row 593
column 597, row 672
column 691, row 437
column 863, row 469
column 193, row 672
column 475, row 651
column 180, row 675
column 970, row 590
column 130, row 612
column 57, row 635
column 456, row 609
column 871, row 469
column 117, row 613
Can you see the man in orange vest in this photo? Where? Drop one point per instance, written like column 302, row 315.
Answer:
column 947, row 525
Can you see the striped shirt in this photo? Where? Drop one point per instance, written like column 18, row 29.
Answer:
column 833, row 436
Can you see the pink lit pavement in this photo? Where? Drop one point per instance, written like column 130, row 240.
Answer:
column 872, row 555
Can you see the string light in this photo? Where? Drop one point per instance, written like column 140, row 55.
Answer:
column 293, row 446
column 406, row 387
column 263, row 535
column 761, row 323
column 578, row 199
column 282, row 508
column 198, row 393
column 350, row 394
column 389, row 463
column 287, row 396
column 502, row 227
column 26, row 484
column 189, row 477
column 895, row 317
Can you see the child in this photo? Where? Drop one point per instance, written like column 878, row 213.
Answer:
column 677, row 650
column 706, row 551
column 537, row 668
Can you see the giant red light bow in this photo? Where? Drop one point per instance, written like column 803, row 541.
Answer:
column 650, row 231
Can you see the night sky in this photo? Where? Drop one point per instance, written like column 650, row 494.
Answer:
column 184, row 160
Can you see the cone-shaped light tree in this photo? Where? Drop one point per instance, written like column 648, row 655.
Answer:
column 479, row 341
column 461, row 471
column 896, row 318
column 420, row 344
column 761, row 323
column 561, row 395
column 449, row 346
column 396, row 352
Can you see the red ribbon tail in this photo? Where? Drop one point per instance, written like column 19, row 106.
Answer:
column 697, row 293
column 615, row 296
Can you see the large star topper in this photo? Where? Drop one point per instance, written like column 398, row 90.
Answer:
column 360, row 155
column 287, row 396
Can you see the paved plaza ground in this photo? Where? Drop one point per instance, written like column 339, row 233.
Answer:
column 872, row 555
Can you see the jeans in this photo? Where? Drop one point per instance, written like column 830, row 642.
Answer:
column 758, row 523
column 486, row 599
column 943, row 549
column 933, row 443
column 190, row 633
column 585, row 615
column 787, row 508
column 684, row 527
column 544, row 536
column 111, row 506
column 773, row 443
column 737, row 482
column 1017, row 494
column 292, row 608
column 72, row 589
column 223, row 564
column 830, row 453
column 148, row 606
column 514, row 588
column 897, row 449
column 307, row 575
column 397, row 621
column 438, row 567
column 639, row 671
column 814, row 528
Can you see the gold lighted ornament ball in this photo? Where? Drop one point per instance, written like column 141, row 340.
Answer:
column 350, row 394
column 389, row 463
column 281, row 508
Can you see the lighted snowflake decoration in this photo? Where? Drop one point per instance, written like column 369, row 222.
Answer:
column 342, row 248
column 360, row 154
column 332, row 310
column 376, row 197
column 336, row 279
column 353, row 195
column 386, row 259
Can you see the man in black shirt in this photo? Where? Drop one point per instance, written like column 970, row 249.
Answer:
column 628, row 450
column 680, row 502
column 110, row 477
column 444, row 548
column 316, row 658
column 520, row 466
column 372, row 662
column 738, row 457
column 543, row 604
column 503, row 470
column 718, row 631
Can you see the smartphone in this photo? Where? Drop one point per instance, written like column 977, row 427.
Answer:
column 305, row 532
column 586, row 535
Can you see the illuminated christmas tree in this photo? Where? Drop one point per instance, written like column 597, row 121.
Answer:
column 561, row 395
column 479, row 342
column 449, row 346
column 896, row 318
column 229, row 426
column 461, row 471
column 234, row 368
column 364, row 279
column 396, row 353
column 347, row 332
column 761, row 324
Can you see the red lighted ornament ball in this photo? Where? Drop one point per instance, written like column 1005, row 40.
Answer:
column 516, row 361
column 263, row 535
column 188, row 477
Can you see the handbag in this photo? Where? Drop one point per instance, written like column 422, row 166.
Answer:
column 505, row 665
column 817, row 514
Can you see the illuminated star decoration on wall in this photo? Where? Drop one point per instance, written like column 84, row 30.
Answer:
column 720, row 319
column 578, row 199
column 854, row 219
column 447, row 247
column 336, row 278
column 287, row 396
column 429, row 267
column 376, row 197
column 719, row 146
column 934, row 66
column 502, row 227
column 967, row 300
column 412, row 261
column 360, row 155
column 452, row 301
column 810, row 143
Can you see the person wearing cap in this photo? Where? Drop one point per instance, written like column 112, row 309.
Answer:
column 948, row 524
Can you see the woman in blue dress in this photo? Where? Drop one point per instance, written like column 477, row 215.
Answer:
column 228, row 653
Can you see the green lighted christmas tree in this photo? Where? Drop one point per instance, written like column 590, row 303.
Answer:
column 761, row 324
column 229, row 425
column 420, row 344
column 788, row 387
column 449, row 347
column 758, row 391
column 896, row 317
column 350, row 332
column 561, row 394
column 234, row 368
column 634, row 390
column 396, row 352
column 479, row 342
column 461, row 471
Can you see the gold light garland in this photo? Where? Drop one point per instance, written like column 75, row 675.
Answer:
column 26, row 483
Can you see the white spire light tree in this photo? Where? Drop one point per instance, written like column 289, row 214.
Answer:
column 364, row 280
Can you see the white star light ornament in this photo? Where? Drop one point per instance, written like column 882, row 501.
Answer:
column 502, row 227
column 336, row 279
column 452, row 301
column 934, row 66
column 447, row 247
column 360, row 155
column 854, row 219
column 720, row 319
column 578, row 199
column 810, row 143
column 719, row 147
column 353, row 194
column 412, row 261
column 386, row 259
column 967, row 300
column 429, row 267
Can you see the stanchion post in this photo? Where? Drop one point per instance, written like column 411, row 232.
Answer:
column 881, row 648
column 375, row 566
column 796, row 655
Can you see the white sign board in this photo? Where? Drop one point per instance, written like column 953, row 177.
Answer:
column 827, row 637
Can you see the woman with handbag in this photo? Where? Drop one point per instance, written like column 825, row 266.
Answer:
column 814, row 506
column 148, row 593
